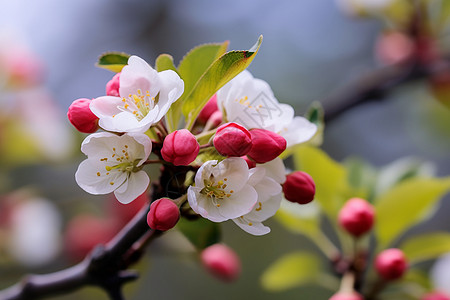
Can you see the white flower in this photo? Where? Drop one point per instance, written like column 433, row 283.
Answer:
column 114, row 164
column 251, row 103
column 269, row 199
column 145, row 97
column 221, row 190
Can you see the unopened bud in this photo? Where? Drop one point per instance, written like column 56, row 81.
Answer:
column 163, row 215
column 215, row 119
column 391, row 264
column 266, row 145
column 180, row 148
column 232, row 139
column 209, row 108
column 299, row 187
column 394, row 47
column 112, row 87
column 435, row 296
column 357, row 216
column 81, row 116
column 222, row 262
column 347, row 296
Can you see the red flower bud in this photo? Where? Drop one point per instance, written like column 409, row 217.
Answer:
column 209, row 108
column 81, row 116
column 435, row 296
column 112, row 87
column 180, row 148
column 215, row 119
column 357, row 216
column 391, row 264
column 266, row 145
column 346, row 296
column 222, row 262
column 299, row 187
column 232, row 139
column 163, row 215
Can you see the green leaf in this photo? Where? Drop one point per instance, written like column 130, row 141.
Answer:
column 197, row 61
column 405, row 205
column 329, row 176
column 426, row 246
column 191, row 67
column 401, row 170
column 315, row 115
column 201, row 232
column 361, row 177
column 292, row 270
column 307, row 223
column 113, row 61
column 216, row 75
column 165, row 62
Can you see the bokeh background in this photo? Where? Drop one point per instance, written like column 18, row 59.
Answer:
column 310, row 50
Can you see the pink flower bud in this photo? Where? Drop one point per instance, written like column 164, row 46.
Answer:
column 266, row 145
column 180, row 148
column 299, row 187
column 357, row 216
column 215, row 119
column 222, row 262
column 435, row 296
column 394, row 47
column 347, row 296
column 391, row 264
column 163, row 215
column 209, row 108
column 232, row 139
column 81, row 116
column 112, row 87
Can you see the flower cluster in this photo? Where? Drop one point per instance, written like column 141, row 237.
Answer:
column 233, row 147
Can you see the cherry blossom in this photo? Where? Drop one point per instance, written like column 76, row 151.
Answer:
column 145, row 96
column 222, row 191
column 114, row 164
column 250, row 102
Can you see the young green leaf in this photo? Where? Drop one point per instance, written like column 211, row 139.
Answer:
column 292, row 270
column 405, row 205
column 113, row 61
column 426, row 246
column 217, row 75
column 164, row 62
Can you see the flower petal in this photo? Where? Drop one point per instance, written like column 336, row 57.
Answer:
column 172, row 87
column 298, row 131
column 256, row 228
column 203, row 205
column 233, row 171
column 132, row 188
column 92, row 177
column 239, row 204
column 275, row 169
column 138, row 74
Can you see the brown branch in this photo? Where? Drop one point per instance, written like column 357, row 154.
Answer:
column 103, row 267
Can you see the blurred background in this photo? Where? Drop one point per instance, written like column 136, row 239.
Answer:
column 310, row 50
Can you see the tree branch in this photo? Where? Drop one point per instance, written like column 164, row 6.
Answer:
column 103, row 267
